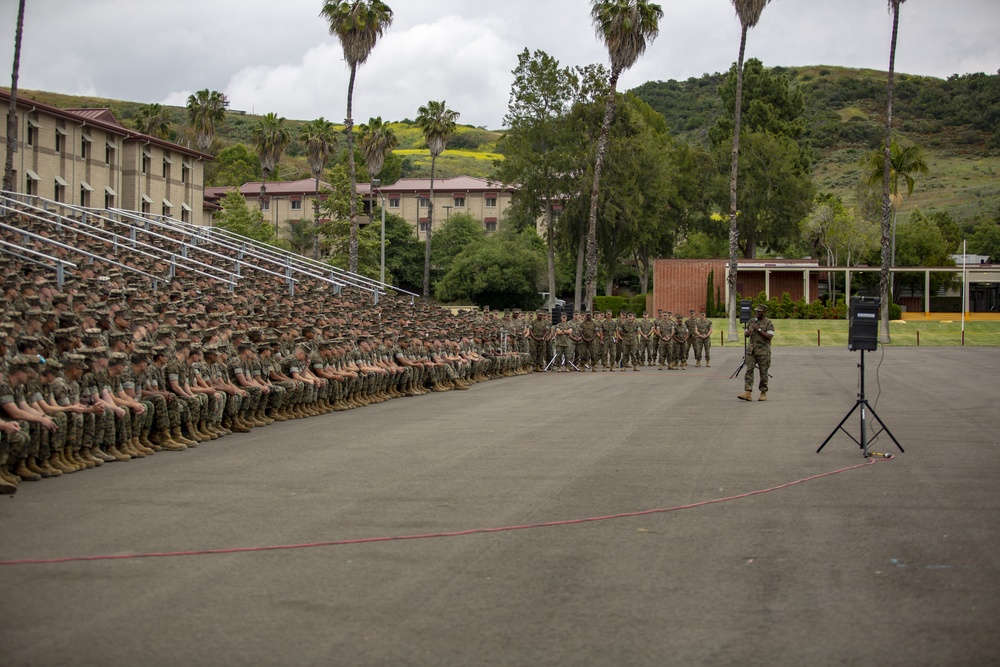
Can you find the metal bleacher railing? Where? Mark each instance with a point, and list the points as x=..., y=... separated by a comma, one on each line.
x=290, y=262
x=11, y=203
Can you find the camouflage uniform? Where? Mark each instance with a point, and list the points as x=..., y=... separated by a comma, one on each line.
x=758, y=353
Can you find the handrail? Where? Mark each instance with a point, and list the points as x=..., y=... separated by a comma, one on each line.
x=81, y=227
x=84, y=253
x=60, y=264
x=197, y=231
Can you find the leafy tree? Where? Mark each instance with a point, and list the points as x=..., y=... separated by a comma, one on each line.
x=404, y=254
x=625, y=26
x=986, y=240
x=358, y=24
x=535, y=147
x=301, y=236
x=775, y=186
x=459, y=231
x=700, y=245
x=921, y=243
x=437, y=122
x=335, y=208
x=239, y=218
x=154, y=120
x=748, y=12
x=234, y=165
x=8, y=170
x=775, y=191
x=206, y=109
x=503, y=271
x=320, y=140
x=271, y=137
x=377, y=142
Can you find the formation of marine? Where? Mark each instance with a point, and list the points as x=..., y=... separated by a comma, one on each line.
x=616, y=343
x=106, y=370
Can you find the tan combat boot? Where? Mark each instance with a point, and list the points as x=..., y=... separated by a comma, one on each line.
x=763, y=396
x=746, y=396
x=25, y=473
x=8, y=481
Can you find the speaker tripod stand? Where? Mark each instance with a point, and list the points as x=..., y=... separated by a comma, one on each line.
x=743, y=362
x=862, y=403
x=564, y=361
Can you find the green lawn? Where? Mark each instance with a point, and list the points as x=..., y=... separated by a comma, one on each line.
x=833, y=333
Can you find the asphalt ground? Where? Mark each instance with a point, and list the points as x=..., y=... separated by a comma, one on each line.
x=890, y=563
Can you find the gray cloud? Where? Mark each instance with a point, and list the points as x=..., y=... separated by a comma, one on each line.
x=284, y=60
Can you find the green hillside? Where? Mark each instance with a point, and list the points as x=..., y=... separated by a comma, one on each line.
x=956, y=121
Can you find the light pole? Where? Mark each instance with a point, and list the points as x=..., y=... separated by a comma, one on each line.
x=376, y=186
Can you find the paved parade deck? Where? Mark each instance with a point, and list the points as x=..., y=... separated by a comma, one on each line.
x=893, y=563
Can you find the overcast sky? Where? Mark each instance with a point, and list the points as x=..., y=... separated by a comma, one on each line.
x=279, y=56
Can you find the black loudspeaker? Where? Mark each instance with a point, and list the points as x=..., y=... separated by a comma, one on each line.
x=862, y=332
x=746, y=314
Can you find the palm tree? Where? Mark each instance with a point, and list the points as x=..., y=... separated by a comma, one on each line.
x=320, y=139
x=358, y=24
x=154, y=120
x=903, y=163
x=883, y=281
x=377, y=141
x=437, y=122
x=626, y=27
x=271, y=137
x=748, y=12
x=206, y=108
x=8, y=168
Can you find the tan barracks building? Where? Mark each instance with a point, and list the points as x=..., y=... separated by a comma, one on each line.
x=85, y=157
x=484, y=200
x=288, y=201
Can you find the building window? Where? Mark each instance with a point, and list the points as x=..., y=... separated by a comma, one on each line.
x=85, y=147
x=491, y=201
x=109, y=153
x=147, y=160
x=145, y=206
x=424, y=226
x=185, y=169
x=84, y=197
x=166, y=169
x=165, y=209
x=109, y=200
x=59, y=141
x=185, y=215
x=491, y=225
x=459, y=202
x=424, y=202
x=265, y=204
x=393, y=202
x=296, y=204
x=30, y=139
x=59, y=191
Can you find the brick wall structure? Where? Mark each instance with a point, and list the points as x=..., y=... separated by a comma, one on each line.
x=682, y=284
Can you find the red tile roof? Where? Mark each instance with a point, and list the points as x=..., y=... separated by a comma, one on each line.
x=103, y=119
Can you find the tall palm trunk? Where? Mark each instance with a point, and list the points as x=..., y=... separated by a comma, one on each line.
x=551, y=248
x=354, y=174
x=316, y=221
x=602, y=149
x=883, y=281
x=581, y=252
x=430, y=223
x=734, y=234
x=8, y=168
